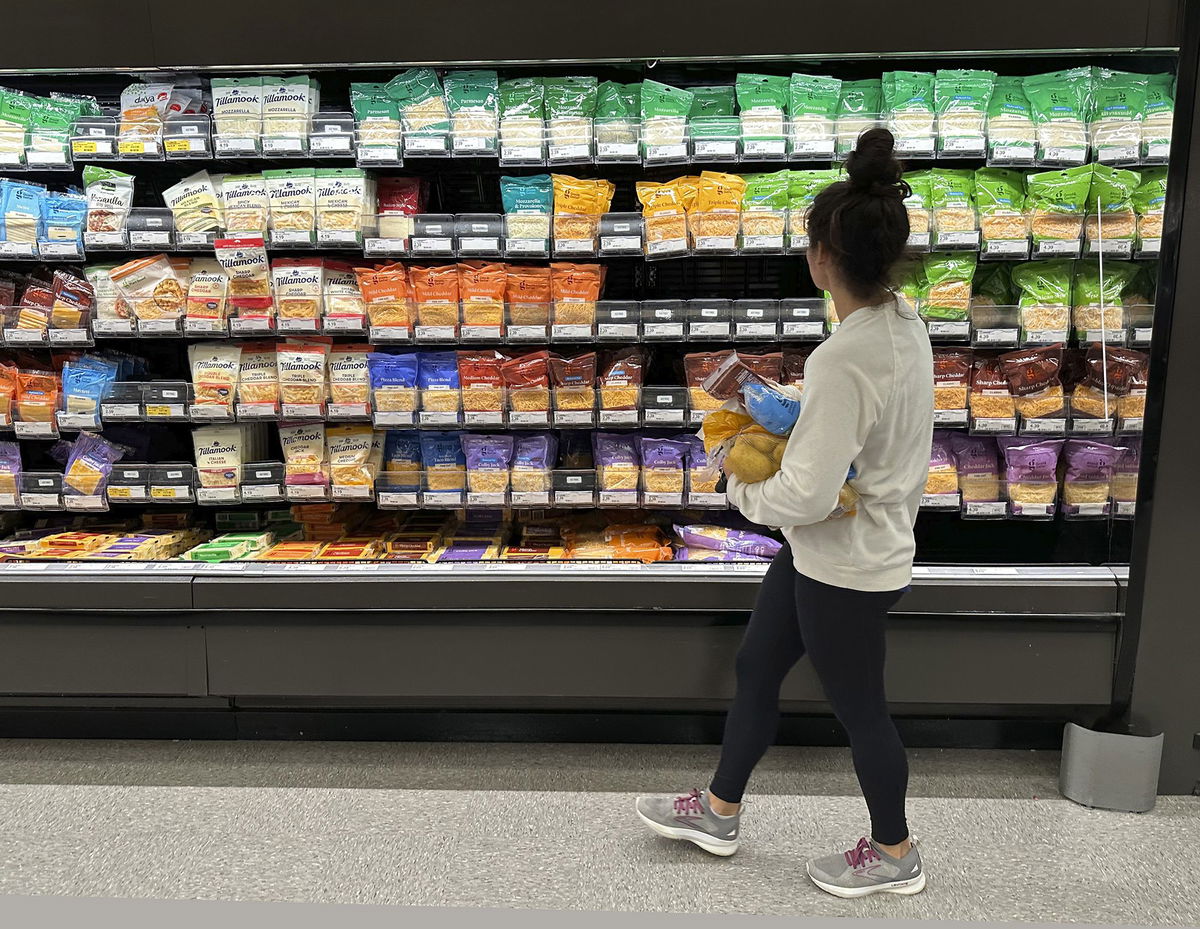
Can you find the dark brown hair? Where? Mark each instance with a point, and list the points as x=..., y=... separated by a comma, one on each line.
x=863, y=220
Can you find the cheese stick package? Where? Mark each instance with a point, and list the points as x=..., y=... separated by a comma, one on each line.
x=215, y=367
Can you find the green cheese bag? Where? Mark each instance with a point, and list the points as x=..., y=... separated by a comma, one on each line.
x=1098, y=297
x=908, y=279
x=993, y=285
x=1118, y=107
x=767, y=191
x=859, y=109
x=1060, y=102
x=961, y=99
x=762, y=104
x=1056, y=201
x=713, y=101
x=1159, y=118
x=1000, y=199
x=813, y=105
x=908, y=106
x=1012, y=135
x=1044, y=294
x=952, y=197
x=1111, y=198
x=473, y=100
x=803, y=187
x=570, y=97
x=948, y=277
x=422, y=101
x=1149, y=201
x=617, y=110
x=522, y=97
x=665, y=112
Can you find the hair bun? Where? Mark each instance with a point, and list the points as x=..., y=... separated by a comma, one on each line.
x=872, y=166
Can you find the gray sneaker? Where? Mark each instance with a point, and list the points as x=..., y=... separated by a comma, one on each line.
x=690, y=819
x=867, y=869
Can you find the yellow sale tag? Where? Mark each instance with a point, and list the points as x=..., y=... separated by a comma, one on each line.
x=163, y=493
x=131, y=147
x=120, y=493
x=158, y=411
x=178, y=145
x=83, y=147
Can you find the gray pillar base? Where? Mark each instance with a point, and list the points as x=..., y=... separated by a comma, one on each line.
x=1108, y=770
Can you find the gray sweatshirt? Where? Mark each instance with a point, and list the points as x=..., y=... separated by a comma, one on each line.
x=868, y=401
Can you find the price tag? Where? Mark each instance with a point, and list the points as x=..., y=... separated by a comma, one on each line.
x=617, y=331
x=251, y=325
x=992, y=509
x=392, y=418
x=576, y=498
x=474, y=143
x=1132, y=424
x=574, y=417
x=119, y=411
x=302, y=411
x=1150, y=247
x=653, y=498
x=915, y=148
x=521, y=153
x=715, y=148
x=1013, y=154
x=112, y=327
x=755, y=330
x=165, y=411
x=666, y=247
x=479, y=245
x=958, y=240
x=480, y=333
x=708, y=330
x=716, y=243
x=664, y=330
x=963, y=145
x=821, y=149
x=663, y=417
x=435, y=333
x=1044, y=426
x=24, y=336
x=341, y=237
x=1090, y=509
x=1104, y=335
x=764, y=148
x=1143, y=334
x=528, y=333
x=576, y=152
x=529, y=417
x=236, y=145
x=707, y=500
x=918, y=240
x=135, y=147
x=329, y=144
x=60, y=249
x=485, y=499
x=8, y=501
x=262, y=492
x=77, y=420
x=376, y=154
x=194, y=326
x=291, y=237
x=939, y=501
x=348, y=411
x=575, y=246
x=1069, y=247
x=211, y=412
x=392, y=498
x=217, y=495
x=666, y=153
x=426, y=144
x=443, y=498
x=1117, y=154
x=18, y=249
x=1045, y=336
x=529, y=498
x=1126, y=508
x=104, y=239
x=85, y=503
x=1091, y=426
x=996, y=336
x=390, y=334
x=1006, y=248
x=762, y=243
x=432, y=245
x=158, y=326
x=439, y=418
x=532, y=247
x=623, y=244
x=353, y=492
x=343, y=324
x=171, y=492
x=616, y=151
x=618, y=417
x=571, y=331
x=195, y=239
x=483, y=418
x=307, y=491
x=995, y=426
x=297, y=325
x=949, y=329
x=618, y=498
x=257, y=411
x=184, y=146
x=950, y=417
x=805, y=330
x=37, y=501
x=282, y=145
x=126, y=492
x=1073, y=155
x=90, y=147
x=34, y=430
x=377, y=246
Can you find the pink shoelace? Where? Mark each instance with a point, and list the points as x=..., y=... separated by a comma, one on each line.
x=689, y=804
x=862, y=854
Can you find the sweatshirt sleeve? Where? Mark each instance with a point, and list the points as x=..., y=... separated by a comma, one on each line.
x=841, y=405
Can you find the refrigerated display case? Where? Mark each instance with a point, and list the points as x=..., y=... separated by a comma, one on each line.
x=282, y=290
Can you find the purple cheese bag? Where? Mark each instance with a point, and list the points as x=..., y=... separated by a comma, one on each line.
x=487, y=452
x=610, y=449
x=535, y=452
x=662, y=453
x=978, y=461
x=940, y=455
x=1089, y=460
x=720, y=538
x=1031, y=469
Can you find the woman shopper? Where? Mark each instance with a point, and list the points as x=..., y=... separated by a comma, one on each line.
x=867, y=402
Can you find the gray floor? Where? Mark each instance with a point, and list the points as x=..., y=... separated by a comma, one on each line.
x=546, y=827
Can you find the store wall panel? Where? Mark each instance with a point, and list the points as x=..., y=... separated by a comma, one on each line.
x=944, y=661
x=35, y=591
x=75, y=35
x=359, y=31
x=103, y=655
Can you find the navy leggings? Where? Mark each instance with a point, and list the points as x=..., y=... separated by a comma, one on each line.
x=842, y=632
